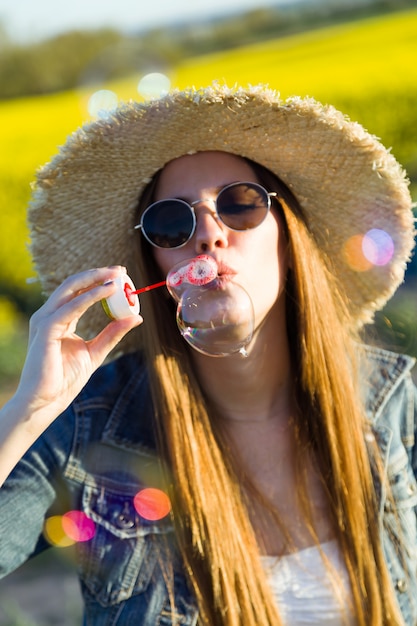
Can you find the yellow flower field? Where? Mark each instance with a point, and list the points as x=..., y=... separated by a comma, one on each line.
x=368, y=68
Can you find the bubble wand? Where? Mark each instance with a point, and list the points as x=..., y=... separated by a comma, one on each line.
x=125, y=302
x=215, y=316
x=148, y=288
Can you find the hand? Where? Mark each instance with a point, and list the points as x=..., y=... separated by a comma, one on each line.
x=59, y=362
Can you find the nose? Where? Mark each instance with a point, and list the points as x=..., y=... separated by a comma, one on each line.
x=210, y=232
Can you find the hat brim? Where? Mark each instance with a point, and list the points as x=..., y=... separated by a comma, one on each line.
x=82, y=212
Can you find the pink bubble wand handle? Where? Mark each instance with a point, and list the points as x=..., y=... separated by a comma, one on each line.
x=148, y=288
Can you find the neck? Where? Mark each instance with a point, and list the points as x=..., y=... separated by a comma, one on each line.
x=255, y=388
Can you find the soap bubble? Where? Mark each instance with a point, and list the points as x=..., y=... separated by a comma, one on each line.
x=214, y=314
x=216, y=320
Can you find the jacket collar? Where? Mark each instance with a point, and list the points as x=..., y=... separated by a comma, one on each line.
x=131, y=423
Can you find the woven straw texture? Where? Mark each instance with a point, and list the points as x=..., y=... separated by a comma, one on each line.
x=82, y=211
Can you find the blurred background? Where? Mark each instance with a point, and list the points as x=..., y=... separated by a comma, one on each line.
x=64, y=65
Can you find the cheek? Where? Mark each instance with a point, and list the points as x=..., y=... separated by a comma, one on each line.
x=267, y=250
x=267, y=263
x=281, y=246
x=165, y=259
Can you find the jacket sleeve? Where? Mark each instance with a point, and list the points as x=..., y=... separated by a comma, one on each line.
x=413, y=410
x=30, y=491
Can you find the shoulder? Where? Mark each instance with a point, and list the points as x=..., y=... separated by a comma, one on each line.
x=390, y=397
x=385, y=375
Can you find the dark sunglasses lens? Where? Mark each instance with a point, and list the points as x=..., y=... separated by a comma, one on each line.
x=168, y=223
x=243, y=206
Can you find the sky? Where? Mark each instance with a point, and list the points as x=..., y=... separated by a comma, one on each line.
x=29, y=20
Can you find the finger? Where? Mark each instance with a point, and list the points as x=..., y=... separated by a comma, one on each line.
x=79, y=283
x=64, y=319
x=109, y=337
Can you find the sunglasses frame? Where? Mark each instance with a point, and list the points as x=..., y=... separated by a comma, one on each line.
x=190, y=206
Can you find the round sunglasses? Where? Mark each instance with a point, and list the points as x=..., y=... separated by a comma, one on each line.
x=171, y=223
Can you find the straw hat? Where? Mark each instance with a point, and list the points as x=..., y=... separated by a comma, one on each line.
x=82, y=212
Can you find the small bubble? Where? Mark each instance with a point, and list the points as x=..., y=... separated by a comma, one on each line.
x=154, y=85
x=152, y=504
x=378, y=247
x=102, y=102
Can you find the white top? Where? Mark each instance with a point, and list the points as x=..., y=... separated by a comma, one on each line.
x=311, y=587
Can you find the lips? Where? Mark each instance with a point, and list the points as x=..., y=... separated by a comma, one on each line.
x=225, y=272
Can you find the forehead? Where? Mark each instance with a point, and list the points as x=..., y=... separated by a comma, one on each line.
x=191, y=173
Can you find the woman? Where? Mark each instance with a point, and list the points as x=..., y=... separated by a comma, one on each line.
x=275, y=463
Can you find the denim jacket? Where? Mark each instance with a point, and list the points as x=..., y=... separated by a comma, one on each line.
x=101, y=450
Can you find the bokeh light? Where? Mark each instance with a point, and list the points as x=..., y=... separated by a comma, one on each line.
x=78, y=526
x=62, y=531
x=374, y=248
x=153, y=85
x=152, y=504
x=378, y=247
x=354, y=255
x=54, y=533
x=102, y=103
